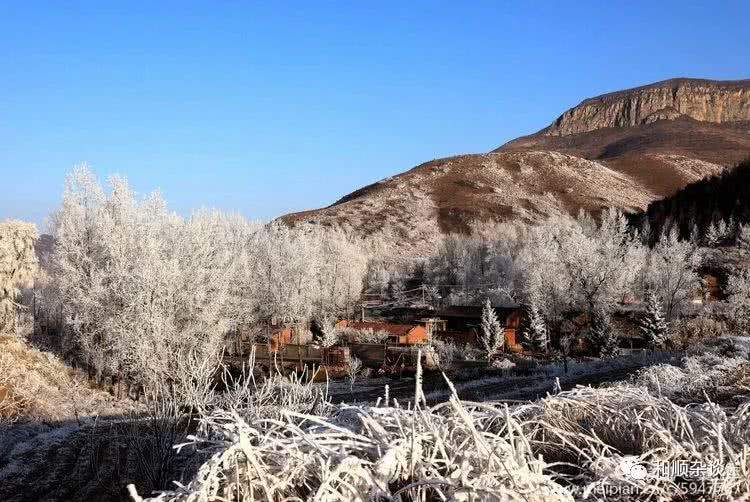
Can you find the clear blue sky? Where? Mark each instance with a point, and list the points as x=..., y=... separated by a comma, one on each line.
x=265, y=108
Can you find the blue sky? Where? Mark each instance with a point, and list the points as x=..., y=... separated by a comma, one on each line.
x=266, y=108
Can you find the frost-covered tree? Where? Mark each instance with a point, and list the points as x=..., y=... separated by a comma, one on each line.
x=602, y=260
x=653, y=324
x=545, y=280
x=579, y=264
x=141, y=287
x=738, y=290
x=743, y=236
x=717, y=233
x=603, y=340
x=355, y=366
x=491, y=337
x=536, y=337
x=672, y=272
x=328, y=336
x=18, y=264
x=294, y=274
x=469, y=268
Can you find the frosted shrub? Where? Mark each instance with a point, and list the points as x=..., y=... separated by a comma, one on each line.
x=446, y=352
x=468, y=352
x=700, y=375
x=572, y=443
x=367, y=335
x=453, y=451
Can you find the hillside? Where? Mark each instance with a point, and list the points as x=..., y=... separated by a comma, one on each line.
x=623, y=149
x=722, y=197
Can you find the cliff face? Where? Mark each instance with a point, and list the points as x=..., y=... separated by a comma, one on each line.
x=624, y=149
x=703, y=100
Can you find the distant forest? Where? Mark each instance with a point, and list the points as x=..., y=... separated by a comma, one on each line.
x=722, y=197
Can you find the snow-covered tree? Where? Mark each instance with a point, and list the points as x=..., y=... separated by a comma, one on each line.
x=672, y=272
x=491, y=337
x=603, y=340
x=141, y=287
x=743, y=236
x=653, y=324
x=716, y=233
x=536, y=337
x=602, y=260
x=18, y=264
x=738, y=289
x=328, y=335
x=545, y=280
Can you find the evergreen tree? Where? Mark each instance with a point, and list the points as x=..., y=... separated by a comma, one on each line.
x=491, y=337
x=603, y=340
x=536, y=336
x=653, y=325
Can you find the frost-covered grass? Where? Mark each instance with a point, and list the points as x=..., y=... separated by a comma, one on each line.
x=37, y=385
x=719, y=370
x=542, y=378
x=563, y=447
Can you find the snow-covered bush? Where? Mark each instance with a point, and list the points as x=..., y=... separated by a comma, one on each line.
x=445, y=352
x=468, y=352
x=707, y=373
x=687, y=332
x=367, y=335
x=569, y=446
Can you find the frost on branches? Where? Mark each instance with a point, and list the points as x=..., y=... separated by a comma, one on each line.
x=17, y=267
x=739, y=300
x=603, y=340
x=653, y=325
x=328, y=334
x=491, y=336
x=144, y=288
x=536, y=337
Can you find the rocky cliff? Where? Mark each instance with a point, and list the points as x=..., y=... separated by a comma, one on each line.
x=624, y=149
x=703, y=100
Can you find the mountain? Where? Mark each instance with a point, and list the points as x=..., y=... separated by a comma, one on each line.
x=624, y=149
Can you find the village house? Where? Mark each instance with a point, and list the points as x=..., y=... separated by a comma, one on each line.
x=463, y=324
x=402, y=334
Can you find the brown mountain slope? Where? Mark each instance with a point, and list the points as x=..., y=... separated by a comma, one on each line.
x=623, y=149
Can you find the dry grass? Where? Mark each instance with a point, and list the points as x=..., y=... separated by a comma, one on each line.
x=37, y=385
x=565, y=447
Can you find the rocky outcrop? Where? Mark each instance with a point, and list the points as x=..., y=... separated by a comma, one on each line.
x=703, y=100
x=623, y=150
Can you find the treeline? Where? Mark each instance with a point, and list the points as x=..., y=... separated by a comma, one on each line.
x=717, y=201
x=148, y=296
x=571, y=273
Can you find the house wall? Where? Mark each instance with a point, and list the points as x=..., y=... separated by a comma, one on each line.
x=417, y=334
